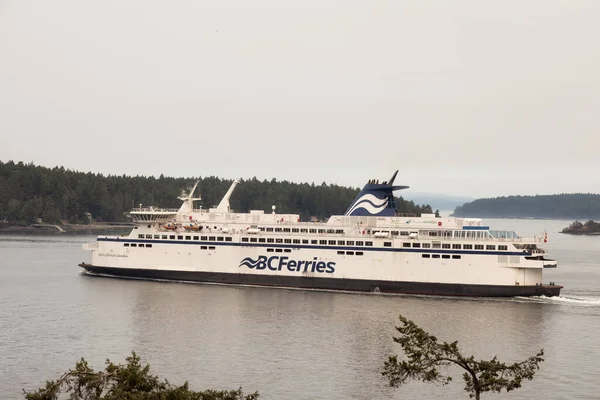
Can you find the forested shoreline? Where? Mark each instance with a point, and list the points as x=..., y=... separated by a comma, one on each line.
x=55, y=195
x=557, y=206
x=579, y=228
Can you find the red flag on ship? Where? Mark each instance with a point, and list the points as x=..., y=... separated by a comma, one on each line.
x=545, y=237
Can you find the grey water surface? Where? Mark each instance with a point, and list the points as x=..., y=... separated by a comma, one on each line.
x=287, y=344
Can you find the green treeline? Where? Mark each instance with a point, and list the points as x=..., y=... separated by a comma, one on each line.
x=558, y=206
x=29, y=192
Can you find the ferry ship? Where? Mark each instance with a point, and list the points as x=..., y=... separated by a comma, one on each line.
x=370, y=248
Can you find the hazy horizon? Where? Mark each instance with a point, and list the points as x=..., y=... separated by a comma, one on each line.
x=466, y=98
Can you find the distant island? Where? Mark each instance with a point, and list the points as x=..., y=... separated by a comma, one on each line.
x=578, y=228
x=557, y=206
x=436, y=200
x=40, y=198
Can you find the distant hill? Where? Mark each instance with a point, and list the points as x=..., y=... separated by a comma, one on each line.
x=556, y=206
x=436, y=200
x=29, y=193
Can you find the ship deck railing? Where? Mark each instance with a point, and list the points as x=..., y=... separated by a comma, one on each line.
x=165, y=210
x=469, y=239
x=154, y=209
x=353, y=234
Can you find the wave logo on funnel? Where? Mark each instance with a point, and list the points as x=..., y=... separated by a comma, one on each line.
x=250, y=263
x=369, y=203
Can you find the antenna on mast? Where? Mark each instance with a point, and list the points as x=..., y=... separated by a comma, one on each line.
x=188, y=199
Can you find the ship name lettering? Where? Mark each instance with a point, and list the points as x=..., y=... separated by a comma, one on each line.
x=112, y=255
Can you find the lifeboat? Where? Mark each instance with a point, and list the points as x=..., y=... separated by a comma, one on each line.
x=190, y=227
x=252, y=229
x=170, y=226
x=381, y=234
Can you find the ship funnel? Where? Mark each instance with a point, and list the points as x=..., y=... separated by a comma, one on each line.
x=375, y=199
x=224, y=204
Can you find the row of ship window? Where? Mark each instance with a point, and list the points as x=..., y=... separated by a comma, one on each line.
x=265, y=240
x=475, y=234
x=453, y=246
x=150, y=245
x=312, y=241
x=434, y=233
x=181, y=237
x=350, y=253
x=446, y=256
x=136, y=245
x=301, y=230
x=445, y=233
x=347, y=253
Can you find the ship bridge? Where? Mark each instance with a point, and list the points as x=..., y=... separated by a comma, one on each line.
x=152, y=214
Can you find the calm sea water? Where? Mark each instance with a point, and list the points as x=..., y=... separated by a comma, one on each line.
x=287, y=344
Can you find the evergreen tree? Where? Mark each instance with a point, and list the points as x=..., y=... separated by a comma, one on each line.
x=425, y=356
x=131, y=381
x=29, y=192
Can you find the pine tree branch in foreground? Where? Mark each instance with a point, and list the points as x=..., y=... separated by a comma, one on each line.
x=131, y=381
x=425, y=357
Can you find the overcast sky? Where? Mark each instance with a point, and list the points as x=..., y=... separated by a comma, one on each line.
x=465, y=97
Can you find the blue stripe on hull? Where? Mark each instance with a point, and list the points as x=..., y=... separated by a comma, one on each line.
x=420, y=288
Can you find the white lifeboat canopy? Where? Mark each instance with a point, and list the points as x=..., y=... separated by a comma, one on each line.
x=381, y=234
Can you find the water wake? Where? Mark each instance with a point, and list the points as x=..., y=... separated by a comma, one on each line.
x=574, y=300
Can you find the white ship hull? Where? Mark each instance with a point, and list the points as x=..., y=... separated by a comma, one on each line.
x=381, y=269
